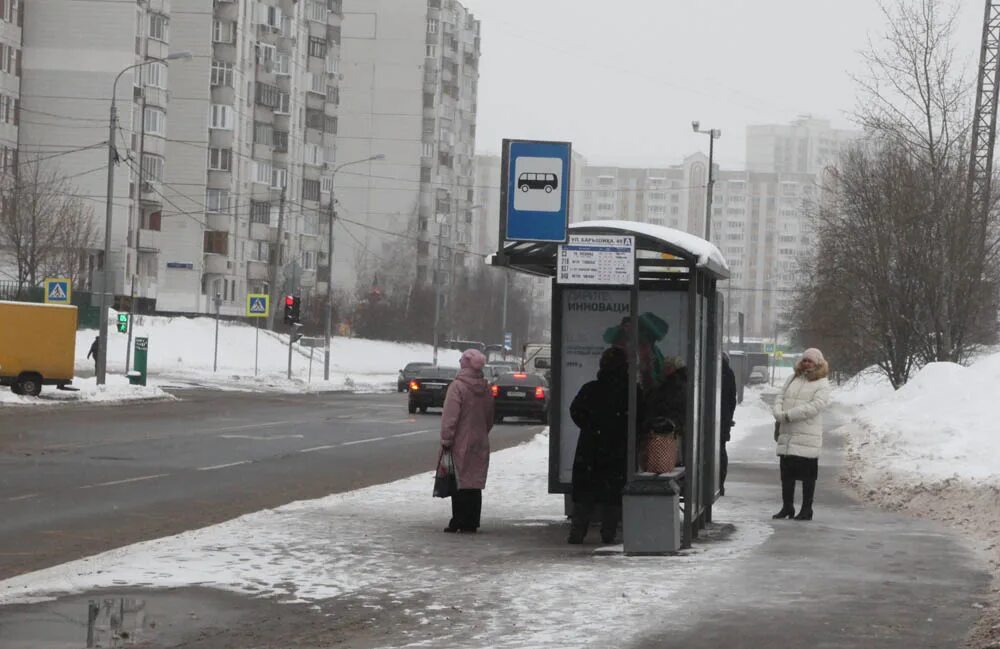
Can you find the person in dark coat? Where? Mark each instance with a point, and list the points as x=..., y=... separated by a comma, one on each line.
x=95, y=350
x=726, y=422
x=665, y=410
x=600, y=409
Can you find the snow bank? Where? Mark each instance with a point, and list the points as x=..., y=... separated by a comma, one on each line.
x=182, y=349
x=117, y=390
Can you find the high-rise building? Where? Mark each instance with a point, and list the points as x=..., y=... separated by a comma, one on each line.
x=11, y=18
x=806, y=146
x=409, y=90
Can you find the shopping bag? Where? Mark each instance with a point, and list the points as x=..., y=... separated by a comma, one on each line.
x=445, y=478
x=661, y=453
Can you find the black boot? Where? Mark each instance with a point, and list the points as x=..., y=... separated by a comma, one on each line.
x=787, y=499
x=808, y=491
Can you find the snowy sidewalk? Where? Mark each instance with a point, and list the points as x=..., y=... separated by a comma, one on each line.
x=372, y=569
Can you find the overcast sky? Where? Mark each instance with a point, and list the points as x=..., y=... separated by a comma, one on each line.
x=622, y=79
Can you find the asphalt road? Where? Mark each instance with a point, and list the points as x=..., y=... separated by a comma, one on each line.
x=77, y=480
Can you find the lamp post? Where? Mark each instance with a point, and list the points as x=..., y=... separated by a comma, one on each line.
x=102, y=350
x=713, y=134
x=329, y=259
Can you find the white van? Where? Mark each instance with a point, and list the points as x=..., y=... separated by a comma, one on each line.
x=537, y=359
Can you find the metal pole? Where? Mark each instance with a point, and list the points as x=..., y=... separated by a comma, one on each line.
x=275, y=258
x=311, y=350
x=131, y=325
x=711, y=181
x=290, y=338
x=329, y=285
x=215, y=356
x=256, y=345
x=437, y=292
x=102, y=349
x=774, y=354
x=729, y=313
x=506, y=281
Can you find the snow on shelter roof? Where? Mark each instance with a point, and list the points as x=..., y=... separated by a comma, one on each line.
x=685, y=245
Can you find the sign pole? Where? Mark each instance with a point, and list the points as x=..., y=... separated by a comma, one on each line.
x=256, y=345
x=311, y=350
x=131, y=312
x=290, y=339
x=215, y=358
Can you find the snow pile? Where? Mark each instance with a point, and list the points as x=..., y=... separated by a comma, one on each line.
x=519, y=581
x=182, y=350
x=117, y=390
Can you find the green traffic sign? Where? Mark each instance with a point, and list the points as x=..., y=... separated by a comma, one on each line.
x=123, y=323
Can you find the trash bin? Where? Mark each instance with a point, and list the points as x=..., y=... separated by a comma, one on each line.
x=651, y=516
x=135, y=378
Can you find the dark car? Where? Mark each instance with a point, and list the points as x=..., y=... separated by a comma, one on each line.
x=519, y=394
x=429, y=387
x=407, y=374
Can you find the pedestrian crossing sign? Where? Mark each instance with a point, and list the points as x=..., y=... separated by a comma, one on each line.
x=58, y=291
x=258, y=305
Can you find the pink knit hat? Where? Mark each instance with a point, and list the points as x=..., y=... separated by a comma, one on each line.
x=813, y=354
x=472, y=358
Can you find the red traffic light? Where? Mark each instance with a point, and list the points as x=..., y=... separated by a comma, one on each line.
x=289, y=300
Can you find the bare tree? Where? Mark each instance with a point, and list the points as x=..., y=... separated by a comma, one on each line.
x=44, y=228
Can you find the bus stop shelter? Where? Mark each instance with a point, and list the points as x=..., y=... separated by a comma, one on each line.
x=668, y=316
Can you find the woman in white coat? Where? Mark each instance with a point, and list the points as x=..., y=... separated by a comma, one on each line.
x=799, y=431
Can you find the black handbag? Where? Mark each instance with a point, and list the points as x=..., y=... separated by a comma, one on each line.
x=777, y=425
x=445, y=478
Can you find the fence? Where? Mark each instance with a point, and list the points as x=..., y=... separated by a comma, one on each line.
x=88, y=317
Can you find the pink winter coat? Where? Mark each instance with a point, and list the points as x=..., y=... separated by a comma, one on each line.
x=466, y=425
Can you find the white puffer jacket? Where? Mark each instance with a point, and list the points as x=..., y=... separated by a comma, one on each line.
x=799, y=410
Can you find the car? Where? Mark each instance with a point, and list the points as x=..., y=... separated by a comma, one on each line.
x=758, y=375
x=519, y=394
x=407, y=374
x=429, y=387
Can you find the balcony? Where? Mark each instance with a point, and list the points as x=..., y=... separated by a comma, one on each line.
x=263, y=232
x=218, y=221
x=216, y=264
x=307, y=279
x=258, y=270
x=148, y=240
x=310, y=243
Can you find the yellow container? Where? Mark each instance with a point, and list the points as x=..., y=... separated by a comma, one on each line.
x=37, y=345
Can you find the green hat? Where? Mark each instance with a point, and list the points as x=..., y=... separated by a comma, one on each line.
x=652, y=327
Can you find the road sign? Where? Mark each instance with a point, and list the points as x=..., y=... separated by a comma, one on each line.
x=58, y=291
x=123, y=323
x=534, y=188
x=258, y=305
x=607, y=260
x=508, y=341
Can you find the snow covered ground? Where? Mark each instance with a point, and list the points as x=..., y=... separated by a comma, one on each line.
x=117, y=390
x=387, y=540
x=181, y=351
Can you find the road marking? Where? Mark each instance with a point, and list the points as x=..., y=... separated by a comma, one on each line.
x=264, y=424
x=114, y=482
x=416, y=432
x=317, y=448
x=363, y=441
x=24, y=497
x=261, y=438
x=223, y=466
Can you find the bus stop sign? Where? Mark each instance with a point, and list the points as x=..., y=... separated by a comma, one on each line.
x=534, y=190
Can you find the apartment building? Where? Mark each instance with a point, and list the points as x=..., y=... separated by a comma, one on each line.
x=409, y=91
x=11, y=20
x=805, y=146
x=254, y=154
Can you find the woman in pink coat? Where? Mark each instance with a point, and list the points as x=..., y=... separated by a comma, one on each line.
x=465, y=430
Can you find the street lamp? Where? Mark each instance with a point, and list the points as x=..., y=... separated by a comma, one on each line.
x=329, y=259
x=102, y=352
x=713, y=134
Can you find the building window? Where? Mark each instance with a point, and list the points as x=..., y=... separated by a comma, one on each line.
x=271, y=17
x=217, y=200
x=155, y=75
x=260, y=212
x=326, y=184
x=317, y=47
x=158, y=27
x=216, y=243
x=432, y=26
x=431, y=51
x=221, y=116
x=154, y=121
x=312, y=154
x=152, y=167
x=316, y=11
x=223, y=31
x=282, y=63
x=428, y=150
x=279, y=140
x=220, y=159
x=222, y=73
x=263, y=172
x=263, y=133
x=279, y=179
x=266, y=54
x=267, y=95
x=310, y=190
x=284, y=105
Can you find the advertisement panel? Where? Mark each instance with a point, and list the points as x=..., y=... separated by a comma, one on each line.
x=595, y=319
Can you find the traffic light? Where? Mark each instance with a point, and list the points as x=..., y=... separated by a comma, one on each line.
x=123, y=323
x=292, y=309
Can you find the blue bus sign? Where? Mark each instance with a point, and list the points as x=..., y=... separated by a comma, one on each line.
x=534, y=190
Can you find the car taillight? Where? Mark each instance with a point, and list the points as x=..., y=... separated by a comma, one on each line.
x=520, y=375
x=539, y=392
x=414, y=385
x=495, y=389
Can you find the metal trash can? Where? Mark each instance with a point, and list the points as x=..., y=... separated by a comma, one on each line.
x=651, y=517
